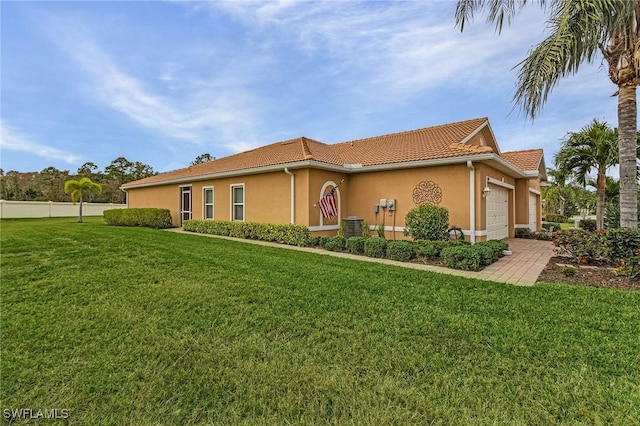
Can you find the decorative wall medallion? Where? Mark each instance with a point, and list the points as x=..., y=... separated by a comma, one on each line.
x=427, y=192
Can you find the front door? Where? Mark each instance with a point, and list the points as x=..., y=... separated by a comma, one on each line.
x=185, y=203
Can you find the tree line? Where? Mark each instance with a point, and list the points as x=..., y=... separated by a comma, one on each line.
x=48, y=184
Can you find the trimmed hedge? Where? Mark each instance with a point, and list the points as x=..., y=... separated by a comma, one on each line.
x=431, y=249
x=401, y=250
x=295, y=235
x=147, y=217
x=375, y=247
x=466, y=258
x=355, y=245
x=337, y=243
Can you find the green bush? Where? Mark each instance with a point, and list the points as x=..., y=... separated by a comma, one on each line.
x=147, y=217
x=355, y=245
x=313, y=242
x=322, y=241
x=466, y=258
x=400, y=250
x=375, y=247
x=498, y=246
x=587, y=224
x=337, y=243
x=585, y=247
x=553, y=217
x=427, y=222
x=622, y=243
x=524, y=233
x=427, y=249
x=554, y=226
x=432, y=249
x=487, y=254
x=296, y=235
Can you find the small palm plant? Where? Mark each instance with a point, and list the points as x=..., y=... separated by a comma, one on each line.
x=77, y=188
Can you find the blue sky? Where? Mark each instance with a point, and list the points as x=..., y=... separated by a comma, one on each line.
x=162, y=82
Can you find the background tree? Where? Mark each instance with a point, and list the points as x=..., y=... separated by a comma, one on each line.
x=578, y=30
x=594, y=147
x=87, y=170
x=202, y=158
x=77, y=189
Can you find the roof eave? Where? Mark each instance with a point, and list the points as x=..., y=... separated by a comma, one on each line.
x=502, y=164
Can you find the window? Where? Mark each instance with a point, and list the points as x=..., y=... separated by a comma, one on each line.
x=237, y=202
x=207, y=201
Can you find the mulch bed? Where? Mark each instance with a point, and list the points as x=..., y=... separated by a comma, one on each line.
x=588, y=275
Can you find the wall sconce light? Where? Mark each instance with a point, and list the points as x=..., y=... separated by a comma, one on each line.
x=486, y=191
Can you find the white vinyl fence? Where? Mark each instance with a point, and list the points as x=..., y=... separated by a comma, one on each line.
x=29, y=209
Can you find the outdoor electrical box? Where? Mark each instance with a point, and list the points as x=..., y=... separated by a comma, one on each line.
x=391, y=204
x=383, y=203
x=376, y=209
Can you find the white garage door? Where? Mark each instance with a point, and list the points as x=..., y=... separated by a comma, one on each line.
x=533, y=208
x=497, y=213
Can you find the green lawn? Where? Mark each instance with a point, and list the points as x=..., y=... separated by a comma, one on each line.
x=128, y=326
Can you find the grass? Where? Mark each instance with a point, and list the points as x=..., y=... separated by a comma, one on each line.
x=126, y=326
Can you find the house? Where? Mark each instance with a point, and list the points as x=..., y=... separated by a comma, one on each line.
x=459, y=166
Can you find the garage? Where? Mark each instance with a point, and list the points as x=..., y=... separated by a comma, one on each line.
x=497, y=213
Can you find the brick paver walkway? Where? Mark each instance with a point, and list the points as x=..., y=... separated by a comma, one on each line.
x=523, y=267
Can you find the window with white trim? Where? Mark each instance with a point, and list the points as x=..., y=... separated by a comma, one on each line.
x=207, y=202
x=237, y=202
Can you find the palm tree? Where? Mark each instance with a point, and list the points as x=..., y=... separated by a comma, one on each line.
x=77, y=188
x=578, y=30
x=594, y=147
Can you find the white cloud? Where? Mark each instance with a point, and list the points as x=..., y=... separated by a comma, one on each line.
x=194, y=114
x=12, y=139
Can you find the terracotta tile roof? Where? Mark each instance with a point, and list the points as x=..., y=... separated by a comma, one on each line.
x=422, y=144
x=289, y=151
x=444, y=141
x=528, y=160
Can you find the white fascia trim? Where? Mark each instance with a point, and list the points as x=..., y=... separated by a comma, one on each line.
x=475, y=132
x=535, y=191
x=499, y=183
x=324, y=228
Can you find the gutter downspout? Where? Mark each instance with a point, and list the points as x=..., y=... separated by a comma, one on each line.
x=472, y=201
x=293, y=194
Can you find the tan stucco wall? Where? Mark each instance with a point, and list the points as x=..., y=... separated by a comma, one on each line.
x=317, y=178
x=267, y=197
x=161, y=197
x=366, y=190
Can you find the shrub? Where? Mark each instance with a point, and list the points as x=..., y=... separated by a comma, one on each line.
x=375, y=247
x=524, y=233
x=401, y=250
x=553, y=217
x=365, y=229
x=498, y=246
x=147, y=217
x=337, y=243
x=427, y=250
x=296, y=235
x=313, y=242
x=568, y=270
x=552, y=226
x=583, y=246
x=622, y=243
x=355, y=245
x=461, y=257
x=587, y=224
x=427, y=222
x=322, y=241
x=486, y=253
